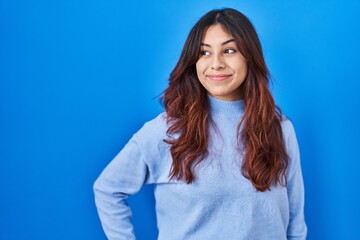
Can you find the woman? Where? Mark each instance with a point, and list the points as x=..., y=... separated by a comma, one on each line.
x=224, y=160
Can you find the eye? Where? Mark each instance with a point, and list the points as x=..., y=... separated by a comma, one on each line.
x=230, y=50
x=204, y=53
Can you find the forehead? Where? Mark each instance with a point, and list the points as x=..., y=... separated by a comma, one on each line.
x=216, y=34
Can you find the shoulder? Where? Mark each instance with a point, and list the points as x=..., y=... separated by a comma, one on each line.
x=152, y=133
x=156, y=153
x=288, y=131
x=154, y=127
x=291, y=143
x=287, y=126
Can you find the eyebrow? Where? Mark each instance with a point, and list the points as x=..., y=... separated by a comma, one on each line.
x=222, y=44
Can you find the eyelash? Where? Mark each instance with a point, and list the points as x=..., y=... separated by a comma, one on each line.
x=204, y=52
x=230, y=49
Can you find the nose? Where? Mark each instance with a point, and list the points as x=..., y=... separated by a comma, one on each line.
x=217, y=62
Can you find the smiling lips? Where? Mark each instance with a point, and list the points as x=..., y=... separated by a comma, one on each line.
x=218, y=77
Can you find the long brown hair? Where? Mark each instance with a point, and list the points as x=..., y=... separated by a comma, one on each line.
x=185, y=100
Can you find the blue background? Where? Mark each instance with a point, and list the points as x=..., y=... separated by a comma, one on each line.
x=78, y=78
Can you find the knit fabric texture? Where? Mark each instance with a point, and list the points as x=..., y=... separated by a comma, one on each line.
x=219, y=204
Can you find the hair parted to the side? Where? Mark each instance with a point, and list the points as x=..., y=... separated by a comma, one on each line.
x=185, y=100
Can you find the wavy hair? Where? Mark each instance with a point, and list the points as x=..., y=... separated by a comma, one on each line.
x=186, y=103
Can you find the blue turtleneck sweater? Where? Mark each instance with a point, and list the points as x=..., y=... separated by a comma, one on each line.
x=219, y=204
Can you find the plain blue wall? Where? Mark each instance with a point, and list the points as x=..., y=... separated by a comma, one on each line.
x=78, y=78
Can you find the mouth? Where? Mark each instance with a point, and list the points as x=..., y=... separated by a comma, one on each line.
x=218, y=77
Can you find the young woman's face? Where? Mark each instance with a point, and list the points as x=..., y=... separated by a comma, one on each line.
x=221, y=67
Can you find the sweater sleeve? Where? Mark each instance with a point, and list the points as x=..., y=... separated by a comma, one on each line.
x=297, y=229
x=124, y=176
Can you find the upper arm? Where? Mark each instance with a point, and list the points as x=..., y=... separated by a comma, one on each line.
x=295, y=187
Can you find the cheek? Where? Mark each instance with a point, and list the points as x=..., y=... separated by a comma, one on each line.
x=244, y=70
x=200, y=68
x=241, y=70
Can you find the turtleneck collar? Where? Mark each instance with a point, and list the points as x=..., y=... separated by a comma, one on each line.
x=219, y=107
